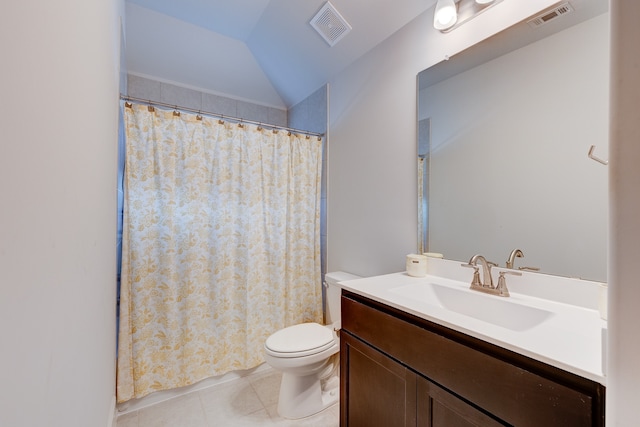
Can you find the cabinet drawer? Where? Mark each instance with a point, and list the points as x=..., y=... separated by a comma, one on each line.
x=513, y=388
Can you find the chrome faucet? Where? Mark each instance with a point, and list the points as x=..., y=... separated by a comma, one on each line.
x=517, y=253
x=486, y=284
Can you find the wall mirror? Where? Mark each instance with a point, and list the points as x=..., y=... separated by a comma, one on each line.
x=504, y=130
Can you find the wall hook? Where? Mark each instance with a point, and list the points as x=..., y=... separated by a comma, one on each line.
x=597, y=159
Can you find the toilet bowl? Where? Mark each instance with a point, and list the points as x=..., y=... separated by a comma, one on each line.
x=307, y=356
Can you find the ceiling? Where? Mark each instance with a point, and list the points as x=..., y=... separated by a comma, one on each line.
x=264, y=51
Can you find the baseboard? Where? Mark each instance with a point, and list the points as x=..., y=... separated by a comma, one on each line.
x=111, y=422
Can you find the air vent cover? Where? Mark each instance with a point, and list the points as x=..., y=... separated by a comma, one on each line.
x=330, y=24
x=549, y=15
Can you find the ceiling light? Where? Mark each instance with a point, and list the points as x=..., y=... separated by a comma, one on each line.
x=450, y=14
x=445, y=15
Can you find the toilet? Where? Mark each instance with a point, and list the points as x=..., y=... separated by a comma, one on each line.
x=307, y=356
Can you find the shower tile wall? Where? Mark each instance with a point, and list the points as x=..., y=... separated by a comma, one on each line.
x=144, y=88
x=312, y=114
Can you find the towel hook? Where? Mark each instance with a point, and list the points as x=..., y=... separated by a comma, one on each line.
x=597, y=159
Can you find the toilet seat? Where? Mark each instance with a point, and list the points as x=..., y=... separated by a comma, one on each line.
x=300, y=340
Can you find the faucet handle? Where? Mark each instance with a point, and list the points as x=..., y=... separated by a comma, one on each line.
x=476, y=274
x=510, y=272
x=529, y=268
x=502, y=282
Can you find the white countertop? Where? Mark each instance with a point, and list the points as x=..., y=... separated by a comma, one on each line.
x=571, y=338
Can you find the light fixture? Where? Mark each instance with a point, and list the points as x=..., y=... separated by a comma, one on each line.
x=446, y=15
x=450, y=14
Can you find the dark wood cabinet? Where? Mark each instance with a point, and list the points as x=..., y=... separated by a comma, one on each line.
x=401, y=370
x=381, y=391
x=438, y=408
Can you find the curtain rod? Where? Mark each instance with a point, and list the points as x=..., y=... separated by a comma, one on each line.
x=218, y=115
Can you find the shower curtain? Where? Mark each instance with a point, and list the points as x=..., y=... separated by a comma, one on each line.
x=221, y=246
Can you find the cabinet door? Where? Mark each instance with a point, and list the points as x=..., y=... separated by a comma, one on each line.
x=376, y=391
x=437, y=407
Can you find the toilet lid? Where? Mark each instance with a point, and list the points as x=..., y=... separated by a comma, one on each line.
x=300, y=340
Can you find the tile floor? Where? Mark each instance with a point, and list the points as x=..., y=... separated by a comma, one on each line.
x=244, y=402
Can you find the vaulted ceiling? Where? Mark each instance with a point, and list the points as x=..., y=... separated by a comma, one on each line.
x=264, y=51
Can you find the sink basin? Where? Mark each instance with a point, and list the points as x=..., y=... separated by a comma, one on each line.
x=492, y=309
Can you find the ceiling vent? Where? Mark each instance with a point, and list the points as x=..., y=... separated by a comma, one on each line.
x=550, y=15
x=330, y=24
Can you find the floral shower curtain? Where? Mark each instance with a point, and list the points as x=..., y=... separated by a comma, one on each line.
x=221, y=246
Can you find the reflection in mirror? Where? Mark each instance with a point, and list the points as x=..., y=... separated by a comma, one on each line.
x=424, y=148
x=507, y=165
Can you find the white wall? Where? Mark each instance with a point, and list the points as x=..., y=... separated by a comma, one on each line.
x=213, y=72
x=623, y=382
x=372, y=179
x=58, y=216
x=509, y=165
x=372, y=184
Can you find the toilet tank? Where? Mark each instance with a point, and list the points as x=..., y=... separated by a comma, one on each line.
x=332, y=296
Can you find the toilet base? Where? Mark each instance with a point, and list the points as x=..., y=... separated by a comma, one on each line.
x=304, y=396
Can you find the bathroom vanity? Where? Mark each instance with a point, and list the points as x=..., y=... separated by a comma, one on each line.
x=410, y=358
